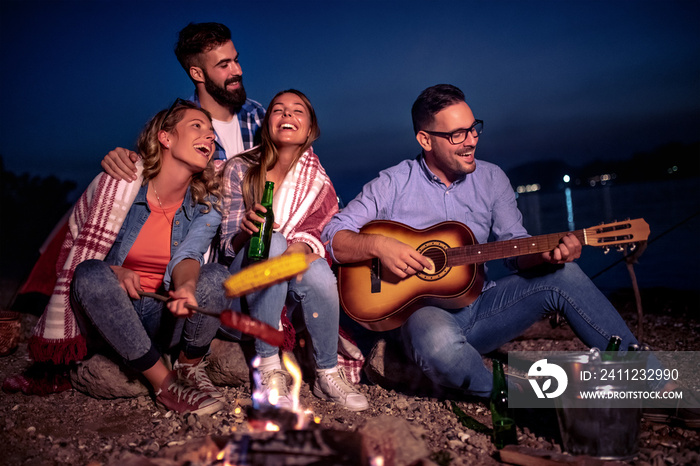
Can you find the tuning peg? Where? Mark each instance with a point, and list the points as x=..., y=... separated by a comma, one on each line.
x=632, y=247
x=620, y=248
x=606, y=249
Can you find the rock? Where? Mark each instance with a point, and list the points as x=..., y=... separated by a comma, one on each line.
x=227, y=364
x=389, y=367
x=101, y=377
x=393, y=439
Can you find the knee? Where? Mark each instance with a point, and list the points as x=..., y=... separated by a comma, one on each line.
x=559, y=276
x=278, y=244
x=210, y=290
x=212, y=276
x=320, y=280
x=571, y=275
x=429, y=334
x=89, y=272
x=322, y=274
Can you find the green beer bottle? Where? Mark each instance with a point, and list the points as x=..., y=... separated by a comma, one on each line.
x=612, y=348
x=259, y=246
x=503, y=423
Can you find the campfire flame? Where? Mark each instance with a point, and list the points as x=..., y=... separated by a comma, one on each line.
x=275, y=418
x=295, y=372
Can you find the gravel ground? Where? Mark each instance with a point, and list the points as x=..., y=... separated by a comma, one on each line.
x=73, y=428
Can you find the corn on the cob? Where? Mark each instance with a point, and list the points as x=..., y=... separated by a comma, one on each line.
x=265, y=273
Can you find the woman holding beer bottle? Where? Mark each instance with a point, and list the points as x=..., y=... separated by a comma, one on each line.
x=303, y=201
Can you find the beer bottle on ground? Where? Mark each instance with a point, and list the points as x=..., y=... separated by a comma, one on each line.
x=612, y=348
x=504, y=432
x=259, y=246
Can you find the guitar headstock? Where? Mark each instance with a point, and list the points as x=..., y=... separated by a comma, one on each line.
x=617, y=233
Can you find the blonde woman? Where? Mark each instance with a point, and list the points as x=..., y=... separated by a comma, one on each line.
x=130, y=238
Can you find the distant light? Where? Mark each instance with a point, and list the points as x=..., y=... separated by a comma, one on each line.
x=529, y=188
x=567, y=178
x=602, y=179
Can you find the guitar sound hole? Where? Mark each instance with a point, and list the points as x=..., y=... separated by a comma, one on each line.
x=436, y=252
x=438, y=258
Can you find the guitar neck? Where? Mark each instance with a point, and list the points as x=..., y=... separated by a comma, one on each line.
x=480, y=253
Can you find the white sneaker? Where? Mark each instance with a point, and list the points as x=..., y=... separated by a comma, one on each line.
x=195, y=375
x=274, y=389
x=334, y=386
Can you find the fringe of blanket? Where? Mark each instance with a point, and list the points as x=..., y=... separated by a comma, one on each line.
x=57, y=351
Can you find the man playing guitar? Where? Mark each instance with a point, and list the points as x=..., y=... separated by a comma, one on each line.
x=447, y=183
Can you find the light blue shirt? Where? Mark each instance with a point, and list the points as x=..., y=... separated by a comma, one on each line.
x=411, y=194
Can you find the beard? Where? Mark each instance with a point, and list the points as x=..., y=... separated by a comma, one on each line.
x=231, y=99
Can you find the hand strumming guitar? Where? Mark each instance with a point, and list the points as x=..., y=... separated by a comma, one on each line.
x=399, y=258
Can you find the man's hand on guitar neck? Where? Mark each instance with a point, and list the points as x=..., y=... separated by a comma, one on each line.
x=399, y=258
x=568, y=250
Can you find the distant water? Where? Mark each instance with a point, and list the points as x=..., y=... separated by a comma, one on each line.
x=672, y=257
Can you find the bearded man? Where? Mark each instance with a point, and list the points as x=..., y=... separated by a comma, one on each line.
x=208, y=56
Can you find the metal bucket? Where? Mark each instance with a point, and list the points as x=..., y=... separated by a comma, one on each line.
x=610, y=429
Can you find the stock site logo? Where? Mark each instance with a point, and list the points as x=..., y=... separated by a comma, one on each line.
x=542, y=368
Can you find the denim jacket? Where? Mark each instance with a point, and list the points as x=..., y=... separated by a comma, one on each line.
x=192, y=232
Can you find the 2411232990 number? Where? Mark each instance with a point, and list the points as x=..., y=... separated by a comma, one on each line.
x=638, y=374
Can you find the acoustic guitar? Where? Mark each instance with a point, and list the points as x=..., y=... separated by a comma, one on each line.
x=379, y=300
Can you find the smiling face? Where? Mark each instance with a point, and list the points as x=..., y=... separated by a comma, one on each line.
x=450, y=161
x=192, y=140
x=289, y=123
x=222, y=75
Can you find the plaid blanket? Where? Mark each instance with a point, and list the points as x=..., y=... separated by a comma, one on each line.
x=93, y=226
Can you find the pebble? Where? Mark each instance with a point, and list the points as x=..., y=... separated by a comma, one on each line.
x=455, y=444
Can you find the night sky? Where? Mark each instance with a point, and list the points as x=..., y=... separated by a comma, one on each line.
x=569, y=80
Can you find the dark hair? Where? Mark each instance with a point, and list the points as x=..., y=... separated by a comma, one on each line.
x=431, y=101
x=197, y=38
x=263, y=157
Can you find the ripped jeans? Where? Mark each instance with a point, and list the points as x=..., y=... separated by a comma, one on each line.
x=139, y=330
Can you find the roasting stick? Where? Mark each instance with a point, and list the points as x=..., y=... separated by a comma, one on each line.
x=252, y=278
x=165, y=299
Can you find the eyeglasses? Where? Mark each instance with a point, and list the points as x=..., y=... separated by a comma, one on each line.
x=458, y=136
x=177, y=102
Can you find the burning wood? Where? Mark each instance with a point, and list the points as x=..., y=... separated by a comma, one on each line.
x=294, y=447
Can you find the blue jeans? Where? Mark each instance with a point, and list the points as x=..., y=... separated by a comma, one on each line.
x=316, y=294
x=138, y=330
x=448, y=344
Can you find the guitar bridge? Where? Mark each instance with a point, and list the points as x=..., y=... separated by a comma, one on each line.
x=376, y=276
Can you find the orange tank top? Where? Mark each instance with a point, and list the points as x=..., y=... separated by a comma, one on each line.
x=150, y=253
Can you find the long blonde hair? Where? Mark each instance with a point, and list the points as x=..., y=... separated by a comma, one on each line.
x=264, y=157
x=205, y=186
